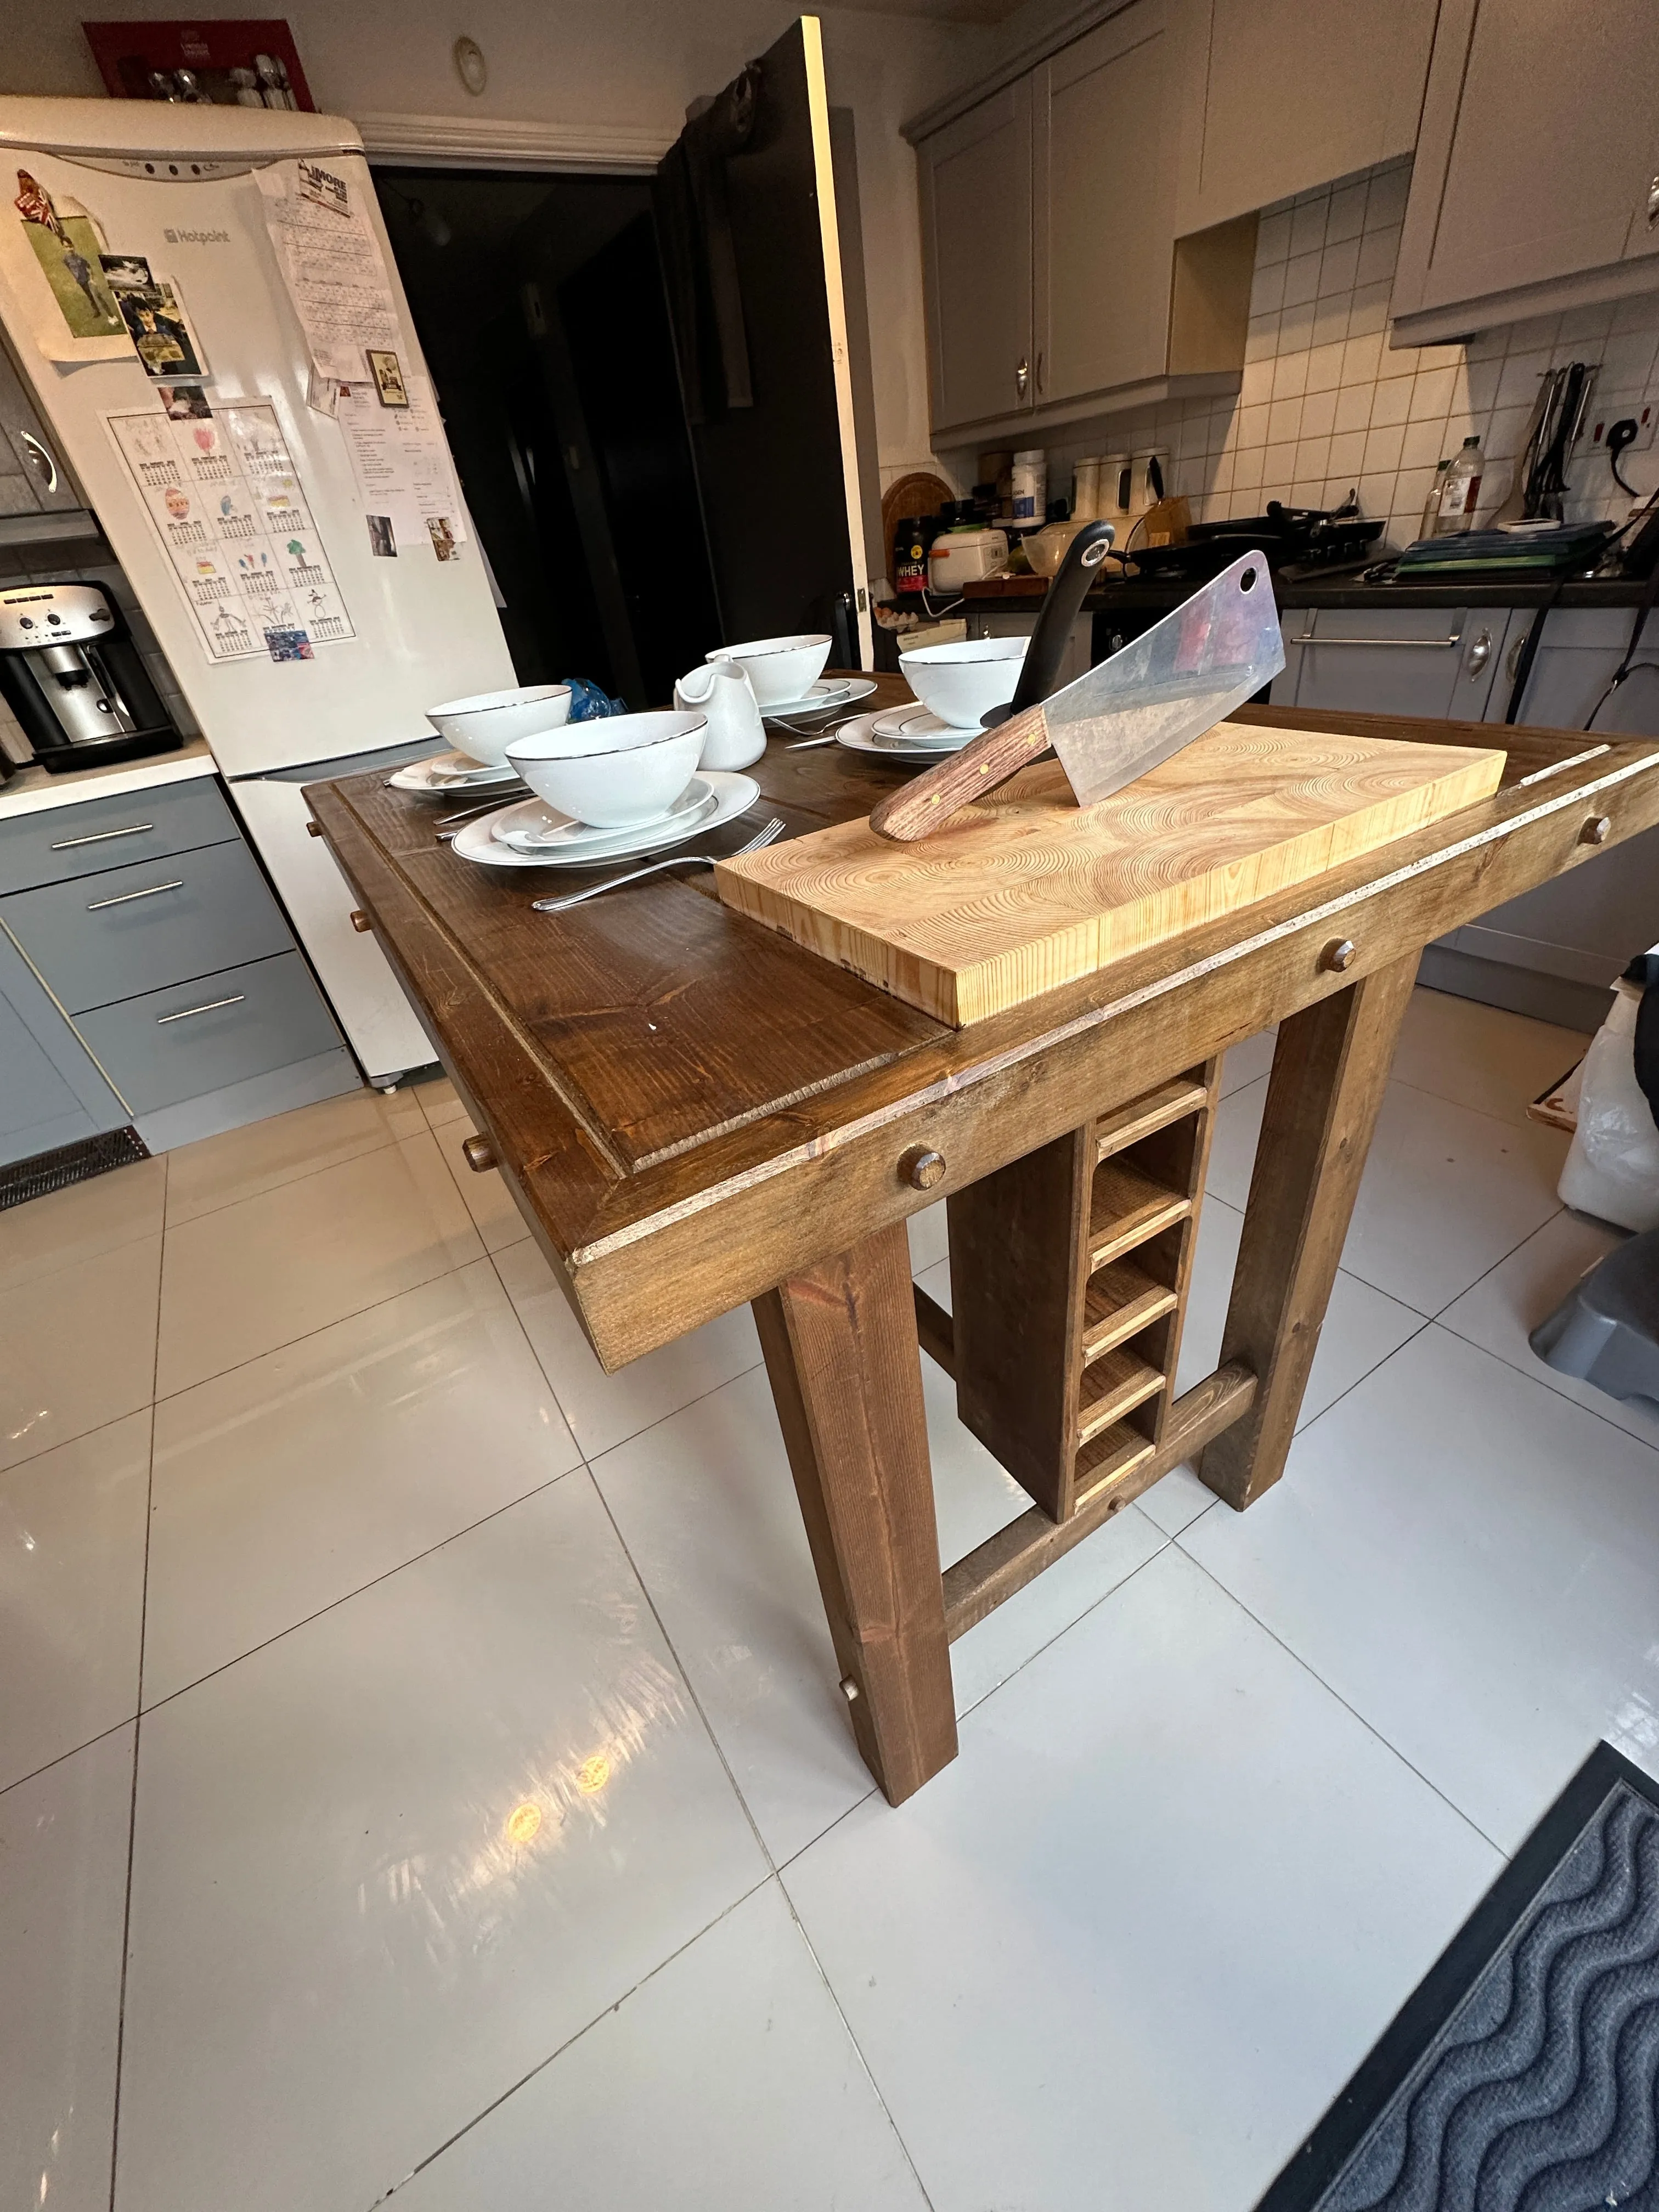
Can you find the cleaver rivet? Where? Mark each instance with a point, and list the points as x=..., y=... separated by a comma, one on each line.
x=1338, y=954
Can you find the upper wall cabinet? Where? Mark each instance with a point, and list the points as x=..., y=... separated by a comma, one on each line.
x=1290, y=93
x=975, y=179
x=1536, y=182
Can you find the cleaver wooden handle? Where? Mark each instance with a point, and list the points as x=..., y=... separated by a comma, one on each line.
x=916, y=809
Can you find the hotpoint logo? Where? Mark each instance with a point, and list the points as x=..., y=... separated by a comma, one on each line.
x=197, y=237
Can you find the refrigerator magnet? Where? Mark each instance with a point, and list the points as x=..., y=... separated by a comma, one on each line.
x=388, y=379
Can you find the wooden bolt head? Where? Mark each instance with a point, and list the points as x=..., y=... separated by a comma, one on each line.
x=1338, y=955
x=920, y=1168
x=1595, y=831
x=479, y=1154
x=313, y=829
x=359, y=921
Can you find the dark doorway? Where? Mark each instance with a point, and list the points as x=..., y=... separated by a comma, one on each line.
x=539, y=305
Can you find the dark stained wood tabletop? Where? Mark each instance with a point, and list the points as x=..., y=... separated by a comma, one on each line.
x=689, y=1107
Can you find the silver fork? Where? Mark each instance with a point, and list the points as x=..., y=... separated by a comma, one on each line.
x=768, y=836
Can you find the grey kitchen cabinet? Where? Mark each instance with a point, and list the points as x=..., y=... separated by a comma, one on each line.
x=34, y=477
x=1535, y=185
x=1338, y=88
x=1008, y=622
x=60, y=842
x=51, y=1090
x=207, y=1035
x=974, y=178
x=1394, y=660
x=1057, y=289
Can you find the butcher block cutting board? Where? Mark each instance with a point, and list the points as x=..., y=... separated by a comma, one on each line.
x=1028, y=891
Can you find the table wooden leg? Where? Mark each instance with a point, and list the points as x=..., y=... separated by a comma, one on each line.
x=1330, y=1069
x=840, y=1351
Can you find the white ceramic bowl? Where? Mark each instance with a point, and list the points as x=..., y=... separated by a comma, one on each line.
x=612, y=773
x=958, y=683
x=779, y=668
x=485, y=727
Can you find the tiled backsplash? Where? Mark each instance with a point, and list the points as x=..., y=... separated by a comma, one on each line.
x=1325, y=406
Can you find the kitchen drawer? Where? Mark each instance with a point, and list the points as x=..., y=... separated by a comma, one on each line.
x=128, y=930
x=61, y=841
x=203, y=1035
x=1392, y=661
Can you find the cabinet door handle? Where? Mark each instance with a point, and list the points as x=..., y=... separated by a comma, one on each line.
x=1022, y=376
x=1512, y=658
x=1479, y=653
x=127, y=897
x=103, y=836
x=1652, y=202
x=1041, y=382
x=1416, y=644
x=211, y=1007
x=41, y=456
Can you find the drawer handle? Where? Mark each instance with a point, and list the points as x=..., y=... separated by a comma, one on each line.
x=1418, y=644
x=211, y=1007
x=127, y=897
x=102, y=837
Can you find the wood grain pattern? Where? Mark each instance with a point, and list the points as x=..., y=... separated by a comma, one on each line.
x=1029, y=891
x=840, y=1352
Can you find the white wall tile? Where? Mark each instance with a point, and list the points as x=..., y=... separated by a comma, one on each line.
x=1312, y=459
x=1272, y=239
x=1378, y=252
x=1369, y=311
x=1325, y=367
x=1283, y=420
x=1360, y=357
x=1307, y=224
x=1298, y=326
x=1250, y=426
x=1424, y=444
x=1348, y=452
x=1353, y=407
x=1433, y=391
x=1290, y=376
x=1302, y=278
x=1382, y=449
x=1337, y=266
x=1347, y=216
x=1267, y=288
x=1391, y=402
x=1279, y=464
x=1318, y=415
x=1331, y=318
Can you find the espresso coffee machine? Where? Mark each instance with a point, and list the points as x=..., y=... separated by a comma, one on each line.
x=72, y=676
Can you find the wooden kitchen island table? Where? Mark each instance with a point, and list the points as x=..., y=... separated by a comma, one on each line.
x=692, y=1111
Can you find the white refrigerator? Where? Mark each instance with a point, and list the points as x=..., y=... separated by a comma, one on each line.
x=178, y=188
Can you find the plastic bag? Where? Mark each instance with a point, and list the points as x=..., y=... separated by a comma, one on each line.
x=1612, y=1165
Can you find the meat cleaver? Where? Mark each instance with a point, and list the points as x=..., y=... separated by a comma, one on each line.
x=1169, y=686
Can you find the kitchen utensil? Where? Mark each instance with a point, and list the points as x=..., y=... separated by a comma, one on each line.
x=721, y=691
x=768, y=836
x=968, y=556
x=961, y=682
x=780, y=668
x=485, y=726
x=1178, y=679
x=1030, y=892
x=74, y=678
x=734, y=795
x=614, y=774
x=1047, y=652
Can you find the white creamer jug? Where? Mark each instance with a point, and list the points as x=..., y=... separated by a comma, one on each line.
x=722, y=691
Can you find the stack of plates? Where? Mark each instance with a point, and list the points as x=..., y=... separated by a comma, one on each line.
x=442, y=774
x=831, y=691
x=906, y=734
x=533, y=835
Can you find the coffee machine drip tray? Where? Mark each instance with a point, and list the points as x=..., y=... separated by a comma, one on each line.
x=72, y=676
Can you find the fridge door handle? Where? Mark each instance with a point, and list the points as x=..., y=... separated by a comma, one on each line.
x=42, y=456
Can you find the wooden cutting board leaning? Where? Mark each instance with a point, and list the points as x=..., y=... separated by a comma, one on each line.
x=1028, y=891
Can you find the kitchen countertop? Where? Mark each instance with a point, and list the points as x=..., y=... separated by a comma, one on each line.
x=31, y=790
x=1341, y=589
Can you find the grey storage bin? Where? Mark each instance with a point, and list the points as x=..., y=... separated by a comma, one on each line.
x=59, y=842
x=1606, y=1330
x=205, y=1035
x=137, y=929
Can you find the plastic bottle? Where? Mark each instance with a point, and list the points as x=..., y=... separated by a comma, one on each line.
x=1031, y=484
x=1431, y=504
x=1459, y=490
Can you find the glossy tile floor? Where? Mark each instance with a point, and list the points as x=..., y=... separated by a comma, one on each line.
x=421, y=1771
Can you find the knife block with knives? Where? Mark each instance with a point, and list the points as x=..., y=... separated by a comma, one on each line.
x=988, y=881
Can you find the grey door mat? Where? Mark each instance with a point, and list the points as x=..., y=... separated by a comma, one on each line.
x=1523, y=2074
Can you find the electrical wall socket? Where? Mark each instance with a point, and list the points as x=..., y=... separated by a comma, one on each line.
x=1615, y=409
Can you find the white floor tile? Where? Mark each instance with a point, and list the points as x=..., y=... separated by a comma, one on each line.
x=1470, y=1561
x=1505, y=1306
x=1481, y=1056
x=79, y=1348
x=438, y=1099
x=77, y=1224
x=1247, y=1062
x=62, y=1892
x=1175, y=1503
x=261, y=1156
x=603, y=1410
x=1447, y=1191
x=297, y=1477
x=735, y=2059
x=71, y=1593
x=1361, y=1326
x=494, y=1211
x=388, y=1864
x=270, y=1269
x=1123, y=1952
x=929, y=1240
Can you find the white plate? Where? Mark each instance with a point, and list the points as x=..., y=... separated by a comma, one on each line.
x=533, y=826
x=833, y=691
x=733, y=795
x=914, y=725
x=859, y=736
x=439, y=776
